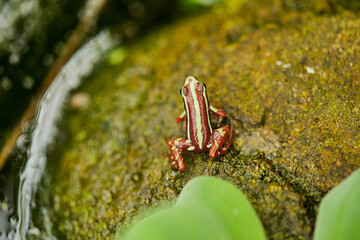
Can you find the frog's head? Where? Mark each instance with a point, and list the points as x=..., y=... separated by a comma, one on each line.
x=193, y=88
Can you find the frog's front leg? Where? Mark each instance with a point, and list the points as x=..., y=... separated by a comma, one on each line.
x=177, y=146
x=217, y=142
x=218, y=112
x=181, y=117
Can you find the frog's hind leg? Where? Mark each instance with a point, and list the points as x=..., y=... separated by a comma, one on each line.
x=219, y=144
x=177, y=145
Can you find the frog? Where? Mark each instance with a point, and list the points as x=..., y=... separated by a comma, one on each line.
x=200, y=136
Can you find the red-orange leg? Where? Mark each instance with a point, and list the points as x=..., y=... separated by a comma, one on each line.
x=218, y=112
x=177, y=145
x=219, y=145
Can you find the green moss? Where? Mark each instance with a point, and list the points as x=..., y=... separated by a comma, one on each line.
x=287, y=79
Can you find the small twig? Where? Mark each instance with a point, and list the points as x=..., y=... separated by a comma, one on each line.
x=88, y=19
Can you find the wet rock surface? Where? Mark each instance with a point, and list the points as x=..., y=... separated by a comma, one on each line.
x=288, y=81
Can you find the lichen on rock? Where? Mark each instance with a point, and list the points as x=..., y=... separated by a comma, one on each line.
x=288, y=79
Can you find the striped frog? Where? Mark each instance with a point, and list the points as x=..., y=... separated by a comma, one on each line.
x=200, y=135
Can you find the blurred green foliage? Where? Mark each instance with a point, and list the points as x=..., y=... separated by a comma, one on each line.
x=339, y=213
x=211, y=208
x=207, y=208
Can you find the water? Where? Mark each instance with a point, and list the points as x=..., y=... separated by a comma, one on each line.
x=26, y=19
x=19, y=226
x=12, y=12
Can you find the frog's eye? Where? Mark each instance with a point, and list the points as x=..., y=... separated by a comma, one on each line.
x=180, y=91
x=204, y=86
x=200, y=87
x=185, y=91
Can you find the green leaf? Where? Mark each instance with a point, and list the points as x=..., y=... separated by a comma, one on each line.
x=204, y=2
x=207, y=208
x=177, y=224
x=226, y=203
x=339, y=212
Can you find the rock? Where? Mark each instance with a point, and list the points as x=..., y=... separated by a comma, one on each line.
x=288, y=80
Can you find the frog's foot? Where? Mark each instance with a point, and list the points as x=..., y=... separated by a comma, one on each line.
x=177, y=145
x=219, y=144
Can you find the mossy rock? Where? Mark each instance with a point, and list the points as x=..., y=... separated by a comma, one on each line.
x=288, y=80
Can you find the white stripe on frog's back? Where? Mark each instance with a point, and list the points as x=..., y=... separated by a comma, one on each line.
x=207, y=109
x=199, y=133
x=187, y=116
